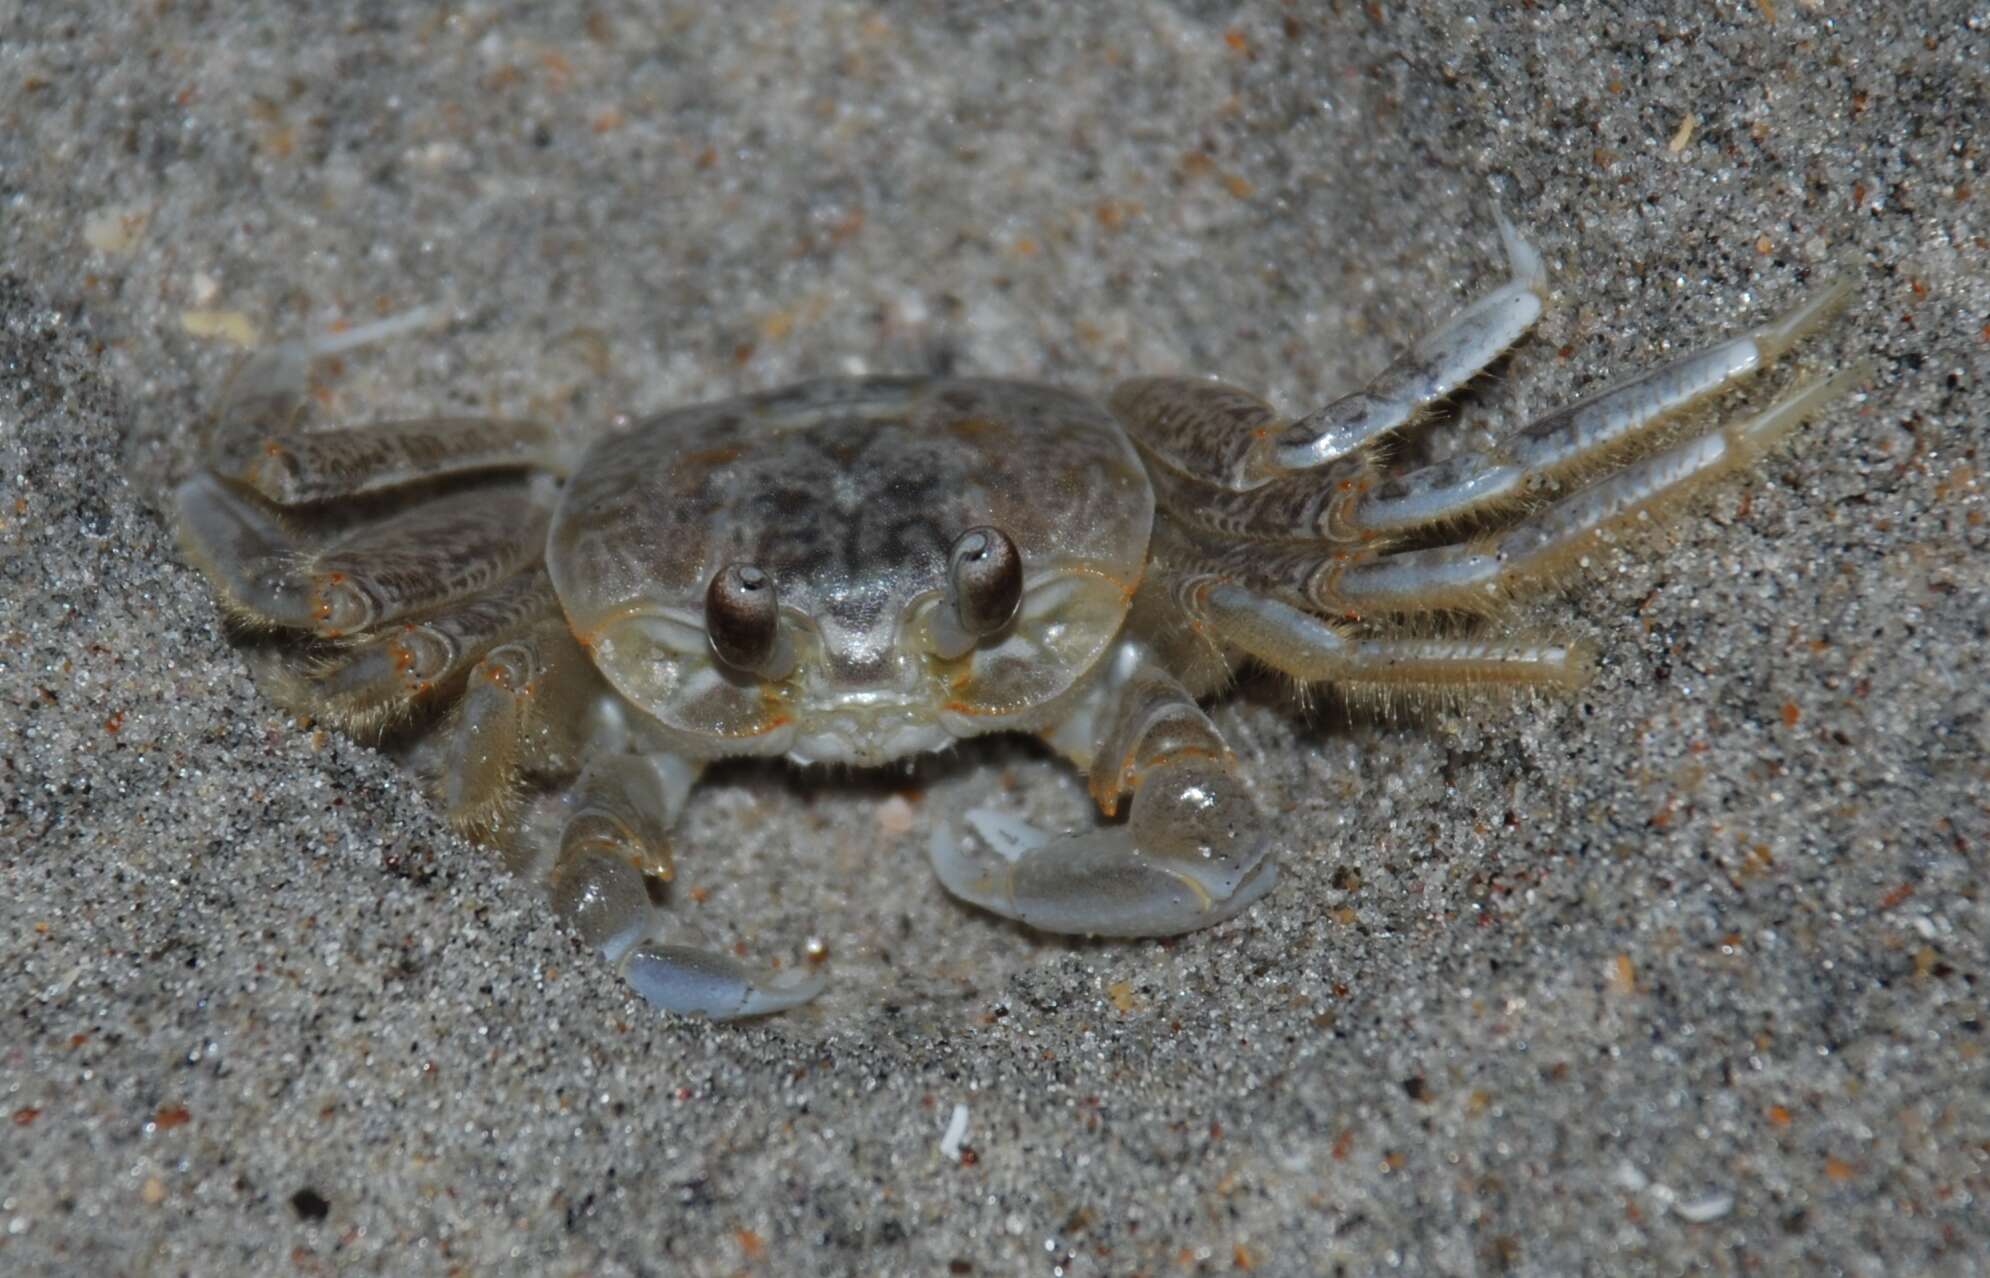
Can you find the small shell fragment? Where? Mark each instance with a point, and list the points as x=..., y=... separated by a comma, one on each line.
x=1699, y=1211
x=231, y=326
x=1684, y=135
x=956, y=1133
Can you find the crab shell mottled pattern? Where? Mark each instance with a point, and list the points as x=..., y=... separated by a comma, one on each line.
x=848, y=494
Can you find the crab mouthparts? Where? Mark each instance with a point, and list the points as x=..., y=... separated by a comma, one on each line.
x=877, y=728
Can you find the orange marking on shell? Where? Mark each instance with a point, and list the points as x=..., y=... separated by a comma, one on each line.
x=958, y=706
x=1180, y=752
x=723, y=455
x=321, y=612
x=973, y=426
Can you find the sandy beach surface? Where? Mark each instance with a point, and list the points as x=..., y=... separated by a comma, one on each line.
x=1681, y=973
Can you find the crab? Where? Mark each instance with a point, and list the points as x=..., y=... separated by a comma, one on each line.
x=863, y=570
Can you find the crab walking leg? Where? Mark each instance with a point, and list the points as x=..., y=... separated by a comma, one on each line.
x=1574, y=438
x=434, y=553
x=374, y=684
x=1193, y=851
x=1343, y=503
x=1433, y=368
x=255, y=441
x=293, y=468
x=1469, y=575
x=266, y=394
x=1229, y=438
x=244, y=550
x=1200, y=433
x=1309, y=508
x=1303, y=646
x=522, y=706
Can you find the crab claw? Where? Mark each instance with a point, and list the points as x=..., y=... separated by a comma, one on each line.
x=621, y=814
x=679, y=978
x=1193, y=854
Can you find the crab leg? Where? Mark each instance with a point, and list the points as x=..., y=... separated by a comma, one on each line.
x=372, y=685
x=521, y=708
x=1308, y=508
x=1566, y=442
x=1473, y=574
x=620, y=831
x=1193, y=851
x=522, y=705
x=1229, y=438
x=1433, y=368
x=294, y=468
x=434, y=553
x=266, y=395
x=1343, y=503
x=241, y=546
x=254, y=437
x=1303, y=646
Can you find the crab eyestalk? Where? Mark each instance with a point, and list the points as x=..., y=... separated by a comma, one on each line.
x=985, y=576
x=984, y=587
x=743, y=620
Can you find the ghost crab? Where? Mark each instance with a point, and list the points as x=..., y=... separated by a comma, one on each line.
x=860, y=571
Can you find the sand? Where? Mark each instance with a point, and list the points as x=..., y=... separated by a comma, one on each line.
x=1682, y=972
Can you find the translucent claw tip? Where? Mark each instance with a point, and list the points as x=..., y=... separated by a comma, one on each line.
x=1811, y=314
x=678, y=978
x=1783, y=416
x=381, y=330
x=1523, y=259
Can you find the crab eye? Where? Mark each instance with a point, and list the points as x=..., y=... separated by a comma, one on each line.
x=985, y=572
x=742, y=616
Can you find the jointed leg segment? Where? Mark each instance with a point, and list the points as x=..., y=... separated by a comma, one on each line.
x=1588, y=434
x=1328, y=537
x=623, y=810
x=1296, y=643
x=1433, y=369
x=1218, y=436
x=1533, y=550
